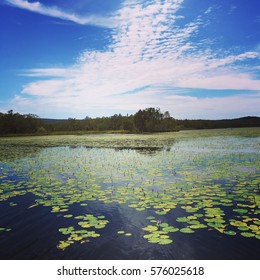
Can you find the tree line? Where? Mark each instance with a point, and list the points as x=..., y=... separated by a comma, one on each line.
x=144, y=121
x=15, y=123
x=147, y=120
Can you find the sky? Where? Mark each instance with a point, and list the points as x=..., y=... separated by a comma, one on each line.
x=77, y=58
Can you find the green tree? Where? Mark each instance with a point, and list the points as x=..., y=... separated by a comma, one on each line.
x=148, y=120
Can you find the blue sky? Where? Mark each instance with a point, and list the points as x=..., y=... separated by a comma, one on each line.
x=75, y=58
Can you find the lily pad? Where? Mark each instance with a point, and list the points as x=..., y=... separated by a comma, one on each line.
x=238, y=224
x=164, y=241
x=182, y=219
x=68, y=216
x=197, y=226
x=170, y=229
x=247, y=234
x=240, y=211
x=230, y=232
x=150, y=228
x=187, y=230
x=243, y=228
x=154, y=240
x=150, y=218
x=162, y=212
x=63, y=245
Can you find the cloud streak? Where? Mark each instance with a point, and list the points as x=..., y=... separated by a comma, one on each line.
x=56, y=12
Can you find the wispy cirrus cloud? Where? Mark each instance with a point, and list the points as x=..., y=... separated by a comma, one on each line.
x=56, y=12
x=151, y=60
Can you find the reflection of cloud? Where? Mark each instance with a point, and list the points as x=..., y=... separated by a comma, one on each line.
x=37, y=7
x=150, y=53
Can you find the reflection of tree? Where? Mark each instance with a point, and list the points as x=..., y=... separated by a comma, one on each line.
x=147, y=150
x=14, y=152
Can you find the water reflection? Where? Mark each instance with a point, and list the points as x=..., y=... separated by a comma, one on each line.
x=143, y=151
x=12, y=152
x=149, y=151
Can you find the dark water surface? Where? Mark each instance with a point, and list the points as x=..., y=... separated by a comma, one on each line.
x=35, y=236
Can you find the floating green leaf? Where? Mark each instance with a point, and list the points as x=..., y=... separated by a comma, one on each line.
x=164, y=241
x=247, y=234
x=150, y=228
x=63, y=245
x=68, y=216
x=186, y=230
x=229, y=232
x=240, y=211
x=182, y=219
x=197, y=226
x=170, y=229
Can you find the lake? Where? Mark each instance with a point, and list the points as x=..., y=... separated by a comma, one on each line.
x=182, y=195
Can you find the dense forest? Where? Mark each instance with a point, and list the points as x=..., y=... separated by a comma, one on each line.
x=143, y=121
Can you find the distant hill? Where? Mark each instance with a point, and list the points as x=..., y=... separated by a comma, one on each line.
x=52, y=121
x=242, y=122
x=249, y=121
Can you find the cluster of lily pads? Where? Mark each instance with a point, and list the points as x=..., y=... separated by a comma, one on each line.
x=88, y=225
x=214, y=181
x=158, y=233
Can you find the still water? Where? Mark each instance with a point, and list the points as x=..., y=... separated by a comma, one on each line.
x=192, y=198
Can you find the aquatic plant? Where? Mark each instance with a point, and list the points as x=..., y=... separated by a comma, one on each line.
x=211, y=183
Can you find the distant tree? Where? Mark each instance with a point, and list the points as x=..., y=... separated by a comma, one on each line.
x=116, y=122
x=148, y=120
x=168, y=123
x=166, y=115
x=12, y=123
x=128, y=123
x=139, y=121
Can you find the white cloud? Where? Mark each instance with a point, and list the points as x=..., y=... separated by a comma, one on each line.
x=47, y=72
x=228, y=81
x=148, y=48
x=208, y=11
x=216, y=107
x=56, y=12
x=180, y=106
